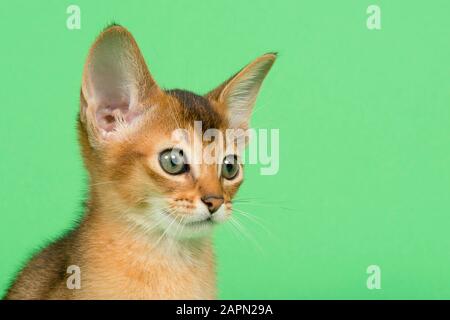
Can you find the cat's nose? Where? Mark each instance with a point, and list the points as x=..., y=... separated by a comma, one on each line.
x=213, y=202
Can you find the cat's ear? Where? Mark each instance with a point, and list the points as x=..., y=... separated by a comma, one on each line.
x=116, y=82
x=238, y=94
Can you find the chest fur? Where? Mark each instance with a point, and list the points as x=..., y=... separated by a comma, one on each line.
x=115, y=269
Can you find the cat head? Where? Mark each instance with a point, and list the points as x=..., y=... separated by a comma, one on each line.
x=139, y=142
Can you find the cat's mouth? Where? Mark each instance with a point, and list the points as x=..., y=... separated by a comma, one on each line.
x=200, y=223
x=194, y=224
x=189, y=225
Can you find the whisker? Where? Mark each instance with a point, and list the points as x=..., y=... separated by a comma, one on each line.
x=101, y=183
x=244, y=231
x=164, y=233
x=235, y=230
x=253, y=218
x=291, y=210
x=273, y=205
x=182, y=226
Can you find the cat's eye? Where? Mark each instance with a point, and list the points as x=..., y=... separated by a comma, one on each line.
x=230, y=167
x=173, y=161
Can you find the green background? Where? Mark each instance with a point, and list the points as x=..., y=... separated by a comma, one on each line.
x=364, y=119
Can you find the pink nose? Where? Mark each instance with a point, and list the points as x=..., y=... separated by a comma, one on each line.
x=213, y=202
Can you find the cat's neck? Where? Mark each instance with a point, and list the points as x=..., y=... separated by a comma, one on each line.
x=141, y=265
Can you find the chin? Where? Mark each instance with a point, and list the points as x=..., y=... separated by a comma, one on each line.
x=193, y=230
x=190, y=227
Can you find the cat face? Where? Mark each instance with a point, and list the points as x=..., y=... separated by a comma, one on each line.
x=150, y=154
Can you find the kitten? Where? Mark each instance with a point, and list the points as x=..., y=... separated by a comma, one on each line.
x=146, y=232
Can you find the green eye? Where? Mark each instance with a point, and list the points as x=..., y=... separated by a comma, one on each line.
x=173, y=161
x=230, y=167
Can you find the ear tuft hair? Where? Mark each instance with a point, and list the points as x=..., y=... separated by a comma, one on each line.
x=111, y=25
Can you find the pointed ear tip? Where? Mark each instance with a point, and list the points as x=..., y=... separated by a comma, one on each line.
x=112, y=33
x=114, y=29
x=268, y=59
x=270, y=55
x=113, y=26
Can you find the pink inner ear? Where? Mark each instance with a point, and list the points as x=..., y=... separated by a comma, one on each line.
x=109, y=115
